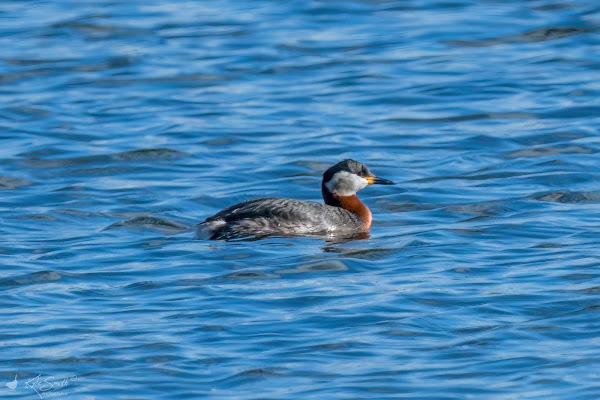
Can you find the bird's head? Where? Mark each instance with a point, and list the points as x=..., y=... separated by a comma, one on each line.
x=348, y=177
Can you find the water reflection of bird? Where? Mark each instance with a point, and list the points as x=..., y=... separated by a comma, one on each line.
x=12, y=385
x=342, y=214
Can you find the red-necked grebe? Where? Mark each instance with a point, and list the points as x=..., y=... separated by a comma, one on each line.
x=343, y=213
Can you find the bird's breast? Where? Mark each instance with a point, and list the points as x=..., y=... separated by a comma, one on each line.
x=354, y=205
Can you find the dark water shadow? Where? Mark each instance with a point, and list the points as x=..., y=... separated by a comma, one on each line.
x=150, y=222
x=533, y=36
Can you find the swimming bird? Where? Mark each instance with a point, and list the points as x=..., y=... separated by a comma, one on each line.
x=342, y=214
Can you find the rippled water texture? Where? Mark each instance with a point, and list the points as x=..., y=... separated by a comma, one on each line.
x=125, y=123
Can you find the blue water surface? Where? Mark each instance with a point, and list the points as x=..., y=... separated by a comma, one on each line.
x=125, y=123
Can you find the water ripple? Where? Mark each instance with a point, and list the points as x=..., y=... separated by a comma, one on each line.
x=124, y=124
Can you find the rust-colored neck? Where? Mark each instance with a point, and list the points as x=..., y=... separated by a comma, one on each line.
x=352, y=204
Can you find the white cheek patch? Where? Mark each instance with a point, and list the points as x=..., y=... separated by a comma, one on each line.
x=344, y=183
